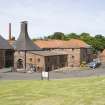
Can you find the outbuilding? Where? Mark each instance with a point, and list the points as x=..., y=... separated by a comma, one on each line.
x=6, y=53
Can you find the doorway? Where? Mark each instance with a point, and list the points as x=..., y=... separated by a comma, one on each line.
x=20, y=63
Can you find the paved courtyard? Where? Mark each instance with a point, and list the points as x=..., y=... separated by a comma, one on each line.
x=5, y=74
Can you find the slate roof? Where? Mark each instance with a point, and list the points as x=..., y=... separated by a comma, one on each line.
x=24, y=43
x=4, y=44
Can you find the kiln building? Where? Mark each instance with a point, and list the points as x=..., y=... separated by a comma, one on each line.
x=48, y=54
x=27, y=54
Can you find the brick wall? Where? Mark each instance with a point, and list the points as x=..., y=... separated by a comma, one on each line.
x=42, y=62
x=76, y=56
x=73, y=56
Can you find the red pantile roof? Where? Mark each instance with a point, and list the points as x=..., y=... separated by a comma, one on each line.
x=73, y=43
x=76, y=43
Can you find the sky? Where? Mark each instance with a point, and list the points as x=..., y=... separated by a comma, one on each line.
x=48, y=16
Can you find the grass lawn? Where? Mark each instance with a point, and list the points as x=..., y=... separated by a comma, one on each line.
x=76, y=91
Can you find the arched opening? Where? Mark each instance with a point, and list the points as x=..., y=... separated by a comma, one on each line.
x=20, y=63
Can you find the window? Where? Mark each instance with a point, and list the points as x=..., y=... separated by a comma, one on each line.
x=38, y=60
x=30, y=59
x=72, y=57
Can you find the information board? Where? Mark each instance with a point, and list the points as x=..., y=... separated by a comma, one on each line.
x=45, y=74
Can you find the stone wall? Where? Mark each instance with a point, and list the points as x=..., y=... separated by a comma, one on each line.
x=102, y=58
x=73, y=56
x=41, y=62
x=36, y=60
x=76, y=55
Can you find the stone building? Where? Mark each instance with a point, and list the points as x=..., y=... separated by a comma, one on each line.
x=6, y=53
x=77, y=50
x=41, y=60
x=22, y=45
x=29, y=55
x=53, y=53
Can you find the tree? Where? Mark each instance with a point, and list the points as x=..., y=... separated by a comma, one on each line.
x=97, y=42
x=100, y=41
x=84, y=35
x=72, y=36
x=57, y=35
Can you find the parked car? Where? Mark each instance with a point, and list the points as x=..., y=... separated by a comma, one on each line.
x=94, y=64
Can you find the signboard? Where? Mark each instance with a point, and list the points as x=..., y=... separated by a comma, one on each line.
x=45, y=74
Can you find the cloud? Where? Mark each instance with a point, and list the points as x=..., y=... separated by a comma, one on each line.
x=48, y=16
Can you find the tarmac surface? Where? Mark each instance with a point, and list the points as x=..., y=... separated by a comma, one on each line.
x=6, y=74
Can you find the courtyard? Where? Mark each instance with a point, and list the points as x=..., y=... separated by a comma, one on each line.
x=6, y=74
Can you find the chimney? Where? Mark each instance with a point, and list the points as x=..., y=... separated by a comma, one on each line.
x=24, y=43
x=24, y=27
x=10, y=37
